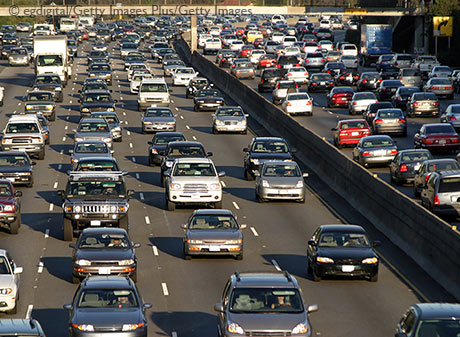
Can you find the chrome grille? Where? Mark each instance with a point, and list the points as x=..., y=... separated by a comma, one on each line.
x=284, y=187
x=95, y=208
x=348, y=262
x=268, y=333
x=21, y=141
x=195, y=188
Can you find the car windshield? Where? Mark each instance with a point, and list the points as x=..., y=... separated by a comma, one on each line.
x=443, y=69
x=91, y=148
x=455, y=108
x=377, y=142
x=213, y=221
x=262, y=146
x=92, y=187
x=364, y=95
x=415, y=156
x=186, y=151
x=50, y=60
x=208, y=93
x=158, y=113
x=445, y=165
x=341, y=239
x=164, y=139
x=184, y=71
x=47, y=80
x=389, y=114
x=288, y=170
x=227, y=112
x=5, y=268
x=111, y=119
x=353, y=124
x=100, y=67
x=272, y=73
x=22, y=128
x=445, y=81
x=129, y=46
x=438, y=129
x=97, y=98
x=408, y=90
x=154, y=87
x=266, y=300
x=107, y=298
x=370, y=76
x=93, y=127
x=297, y=97
x=21, y=51
x=425, y=96
x=95, y=86
x=194, y=169
x=438, y=327
x=199, y=82
x=97, y=165
x=5, y=189
x=39, y=96
x=104, y=240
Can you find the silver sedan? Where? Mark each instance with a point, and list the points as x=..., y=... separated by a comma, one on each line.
x=375, y=150
x=360, y=101
x=280, y=180
x=158, y=119
x=441, y=86
x=230, y=119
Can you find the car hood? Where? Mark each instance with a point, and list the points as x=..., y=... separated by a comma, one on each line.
x=97, y=105
x=6, y=281
x=92, y=135
x=230, y=118
x=267, y=322
x=159, y=119
x=100, y=254
x=271, y=156
x=10, y=169
x=213, y=234
x=289, y=181
x=195, y=179
x=107, y=316
x=346, y=252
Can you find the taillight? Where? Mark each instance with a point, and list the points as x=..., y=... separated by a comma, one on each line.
x=402, y=120
x=328, y=71
x=364, y=81
x=380, y=80
x=223, y=60
x=322, y=60
x=416, y=104
x=314, y=84
x=454, y=140
x=427, y=177
x=396, y=63
x=366, y=154
x=436, y=103
x=435, y=75
x=305, y=74
x=308, y=102
x=394, y=151
x=384, y=89
x=436, y=200
x=288, y=104
x=297, y=65
x=278, y=66
x=290, y=74
x=452, y=118
x=449, y=88
x=342, y=77
x=403, y=168
x=354, y=103
x=378, y=121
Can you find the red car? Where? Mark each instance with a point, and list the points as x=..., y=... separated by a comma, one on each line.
x=85, y=35
x=246, y=50
x=437, y=136
x=10, y=206
x=267, y=61
x=350, y=132
x=339, y=96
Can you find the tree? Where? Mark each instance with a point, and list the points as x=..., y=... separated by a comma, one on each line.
x=444, y=7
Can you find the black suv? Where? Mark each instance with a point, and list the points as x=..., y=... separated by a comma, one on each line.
x=96, y=101
x=49, y=82
x=21, y=327
x=268, y=79
x=262, y=149
x=94, y=199
x=259, y=303
x=104, y=251
x=105, y=304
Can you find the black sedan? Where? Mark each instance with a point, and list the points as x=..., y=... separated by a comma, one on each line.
x=406, y=164
x=387, y=89
x=320, y=82
x=389, y=72
x=347, y=77
x=16, y=167
x=402, y=95
x=107, y=303
x=368, y=81
x=158, y=145
x=208, y=99
x=342, y=250
x=262, y=149
x=195, y=85
x=96, y=101
x=103, y=251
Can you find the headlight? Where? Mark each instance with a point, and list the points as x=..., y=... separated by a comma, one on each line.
x=129, y=327
x=85, y=110
x=84, y=327
x=299, y=184
x=235, y=328
x=324, y=259
x=142, y=100
x=255, y=161
x=125, y=262
x=265, y=183
x=8, y=208
x=154, y=151
x=6, y=291
x=78, y=139
x=219, y=102
x=110, y=109
x=113, y=209
x=28, y=107
x=77, y=209
x=174, y=187
x=200, y=101
x=370, y=260
x=214, y=186
x=49, y=107
x=147, y=123
x=84, y=263
x=197, y=242
x=58, y=89
x=219, y=122
x=172, y=123
x=243, y=122
x=92, y=75
x=300, y=328
x=169, y=164
x=107, y=140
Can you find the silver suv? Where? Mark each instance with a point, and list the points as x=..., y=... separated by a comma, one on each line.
x=263, y=304
x=441, y=193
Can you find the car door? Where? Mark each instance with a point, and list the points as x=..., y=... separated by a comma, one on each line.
x=13, y=268
x=406, y=325
x=247, y=155
x=394, y=165
x=420, y=176
x=312, y=250
x=222, y=316
x=428, y=191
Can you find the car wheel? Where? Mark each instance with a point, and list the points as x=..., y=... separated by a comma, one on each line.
x=53, y=117
x=75, y=279
x=218, y=204
x=187, y=94
x=187, y=256
x=170, y=205
x=195, y=108
x=248, y=175
x=67, y=229
x=315, y=276
x=41, y=155
x=245, y=132
x=133, y=276
x=392, y=178
x=214, y=131
x=123, y=223
x=416, y=192
x=239, y=257
x=14, y=226
x=374, y=278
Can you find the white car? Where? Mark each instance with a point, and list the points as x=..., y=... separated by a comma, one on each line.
x=291, y=51
x=183, y=75
x=212, y=45
x=326, y=44
x=2, y=92
x=360, y=101
x=256, y=54
x=236, y=45
x=440, y=71
x=325, y=24
x=202, y=39
x=349, y=49
x=136, y=82
x=288, y=41
x=298, y=75
x=299, y=103
x=228, y=39
x=350, y=61
x=9, y=283
x=277, y=37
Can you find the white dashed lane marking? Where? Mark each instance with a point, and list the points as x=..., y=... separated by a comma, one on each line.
x=147, y=220
x=29, y=311
x=51, y=207
x=141, y=195
x=40, y=268
x=165, y=289
x=188, y=127
x=235, y=205
x=223, y=183
x=194, y=138
x=55, y=185
x=155, y=250
x=181, y=117
x=253, y=230
x=47, y=233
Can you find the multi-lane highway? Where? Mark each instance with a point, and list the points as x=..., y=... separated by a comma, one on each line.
x=183, y=293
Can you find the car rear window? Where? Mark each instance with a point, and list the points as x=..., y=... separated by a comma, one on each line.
x=404, y=58
x=437, y=129
x=449, y=185
x=410, y=72
x=272, y=73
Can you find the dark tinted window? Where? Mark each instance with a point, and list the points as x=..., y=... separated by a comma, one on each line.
x=449, y=185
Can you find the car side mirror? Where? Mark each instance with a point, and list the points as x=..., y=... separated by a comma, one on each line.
x=243, y=226
x=73, y=245
x=222, y=174
x=333, y=129
x=219, y=307
x=183, y=226
x=131, y=193
x=18, y=270
x=305, y=175
x=18, y=193
x=245, y=149
x=67, y=306
x=311, y=243
x=376, y=244
x=146, y=306
x=257, y=173
x=150, y=142
x=136, y=245
x=209, y=154
x=312, y=308
x=112, y=151
x=293, y=150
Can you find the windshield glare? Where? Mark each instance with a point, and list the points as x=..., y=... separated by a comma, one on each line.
x=95, y=188
x=99, y=240
x=266, y=300
x=91, y=148
x=339, y=239
x=22, y=128
x=107, y=298
x=213, y=222
x=270, y=147
x=281, y=171
x=194, y=169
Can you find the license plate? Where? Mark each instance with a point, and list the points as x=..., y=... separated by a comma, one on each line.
x=348, y=269
x=356, y=133
x=442, y=141
x=380, y=152
x=416, y=167
x=95, y=223
x=214, y=248
x=322, y=83
x=104, y=271
x=284, y=192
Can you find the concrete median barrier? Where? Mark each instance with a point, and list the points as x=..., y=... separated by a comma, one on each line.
x=426, y=238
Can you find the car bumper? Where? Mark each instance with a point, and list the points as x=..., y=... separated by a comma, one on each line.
x=434, y=147
x=17, y=180
x=156, y=158
x=142, y=332
x=155, y=128
x=83, y=271
x=148, y=104
x=230, y=128
x=6, y=218
x=338, y=270
x=181, y=81
x=390, y=129
x=7, y=302
x=426, y=112
x=338, y=103
x=282, y=194
x=19, y=62
x=348, y=141
x=95, y=220
x=203, y=249
x=31, y=149
x=299, y=110
x=184, y=197
x=358, y=108
x=442, y=92
x=384, y=160
x=407, y=177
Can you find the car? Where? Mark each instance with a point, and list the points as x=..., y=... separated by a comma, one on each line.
x=437, y=136
x=243, y=70
x=96, y=101
x=18, y=56
x=96, y=85
x=422, y=174
x=410, y=77
x=387, y=89
x=424, y=63
x=226, y=59
x=103, y=251
x=10, y=203
x=389, y=72
x=157, y=145
x=282, y=88
x=107, y=302
x=389, y=121
x=102, y=70
x=440, y=71
x=16, y=167
x=208, y=99
x=440, y=86
x=369, y=113
x=98, y=54
x=9, y=283
x=429, y=319
x=298, y=103
x=334, y=68
x=440, y=193
x=24, y=133
x=262, y=149
x=153, y=91
x=49, y=82
x=383, y=61
x=41, y=102
x=213, y=232
x=314, y=61
x=195, y=85
x=368, y=81
x=24, y=27
x=423, y=104
x=158, y=119
x=452, y=115
x=320, y=82
x=280, y=180
x=183, y=75
x=298, y=75
x=87, y=149
x=402, y=60
x=193, y=181
x=268, y=79
x=342, y=250
x=136, y=80
x=94, y=129
x=126, y=48
x=170, y=67
x=406, y=163
x=263, y=302
x=10, y=327
x=94, y=163
x=377, y=150
x=350, y=131
x=339, y=96
x=402, y=95
x=360, y=101
x=230, y=119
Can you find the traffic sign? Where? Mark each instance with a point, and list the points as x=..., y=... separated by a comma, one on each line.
x=355, y=10
x=443, y=26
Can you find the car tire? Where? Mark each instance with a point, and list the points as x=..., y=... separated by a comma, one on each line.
x=170, y=205
x=374, y=278
x=239, y=257
x=75, y=279
x=133, y=276
x=14, y=226
x=67, y=229
x=47, y=141
x=245, y=132
x=260, y=90
x=187, y=95
x=214, y=131
x=315, y=276
x=195, y=108
x=187, y=256
x=53, y=117
x=218, y=204
x=417, y=194
x=248, y=175
x=124, y=223
x=41, y=155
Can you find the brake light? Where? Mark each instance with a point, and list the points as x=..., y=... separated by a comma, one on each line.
x=366, y=154
x=454, y=140
x=223, y=60
x=427, y=141
x=278, y=66
x=262, y=81
x=289, y=74
x=378, y=121
x=449, y=88
x=314, y=84
x=396, y=63
x=402, y=120
x=434, y=88
x=306, y=61
x=436, y=103
x=364, y=81
x=452, y=118
x=435, y=75
x=394, y=151
x=342, y=77
x=305, y=74
x=427, y=177
x=328, y=71
x=436, y=200
x=380, y=80
x=309, y=103
x=354, y=103
x=322, y=60
x=297, y=65
x=416, y=104
x=403, y=168
x=384, y=89
x=288, y=104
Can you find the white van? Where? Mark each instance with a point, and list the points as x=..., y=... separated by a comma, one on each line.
x=349, y=49
x=153, y=91
x=277, y=18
